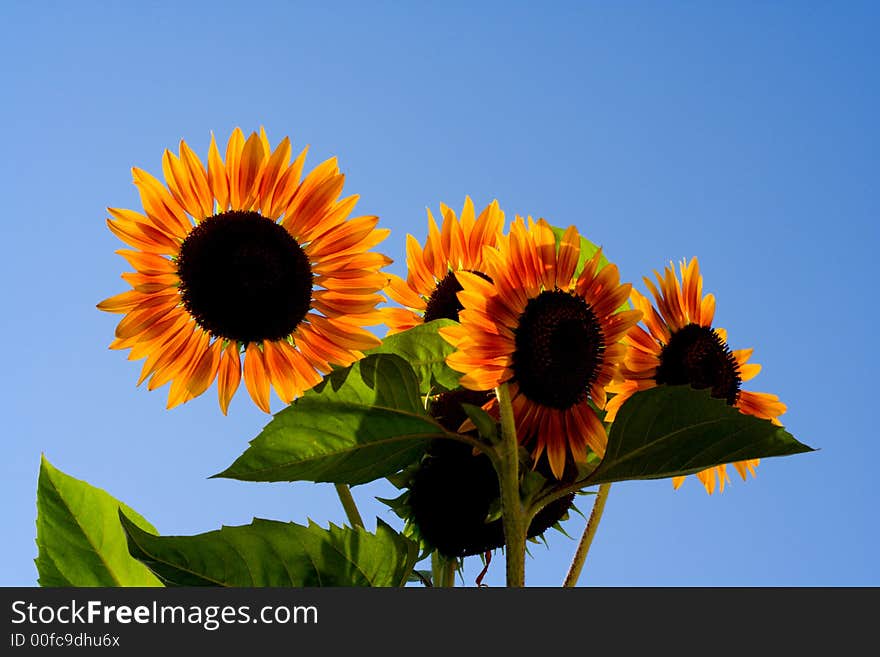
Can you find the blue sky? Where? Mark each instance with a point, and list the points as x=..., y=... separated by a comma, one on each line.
x=742, y=133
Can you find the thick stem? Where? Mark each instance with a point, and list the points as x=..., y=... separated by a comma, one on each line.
x=351, y=510
x=512, y=511
x=450, y=574
x=580, y=555
x=437, y=576
x=442, y=570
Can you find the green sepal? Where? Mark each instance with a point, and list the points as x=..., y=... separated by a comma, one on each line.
x=422, y=577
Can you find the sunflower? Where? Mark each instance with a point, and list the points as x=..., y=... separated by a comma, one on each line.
x=242, y=269
x=552, y=336
x=682, y=347
x=453, y=491
x=429, y=291
x=451, y=498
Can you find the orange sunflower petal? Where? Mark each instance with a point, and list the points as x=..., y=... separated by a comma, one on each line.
x=256, y=376
x=228, y=375
x=217, y=179
x=161, y=207
x=206, y=369
x=250, y=166
x=279, y=371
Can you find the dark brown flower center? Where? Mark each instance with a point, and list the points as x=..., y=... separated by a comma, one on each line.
x=443, y=302
x=697, y=356
x=559, y=348
x=244, y=277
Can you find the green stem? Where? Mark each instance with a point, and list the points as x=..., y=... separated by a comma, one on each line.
x=512, y=511
x=449, y=575
x=351, y=510
x=580, y=555
x=437, y=576
x=442, y=570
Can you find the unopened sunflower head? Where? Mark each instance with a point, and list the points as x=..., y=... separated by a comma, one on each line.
x=245, y=260
x=552, y=334
x=679, y=346
x=429, y=291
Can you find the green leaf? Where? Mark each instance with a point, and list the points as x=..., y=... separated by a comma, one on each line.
x=424, y=349
x=486, y=425
x=271, y=553
x=675, y=430
x=361, y=423
x=79, y=538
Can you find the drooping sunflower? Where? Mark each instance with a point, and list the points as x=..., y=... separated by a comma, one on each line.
x=429, y=291
x=453, y=491
x=682, y=347
x=552, y=336
x=243, y=260
x=452, y=494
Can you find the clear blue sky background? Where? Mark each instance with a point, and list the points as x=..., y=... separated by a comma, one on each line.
x=743, y=133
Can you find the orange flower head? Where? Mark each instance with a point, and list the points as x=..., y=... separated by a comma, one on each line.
x=680, y=346
x=551, y=335
x=429, y=291
x=245, y=269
